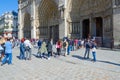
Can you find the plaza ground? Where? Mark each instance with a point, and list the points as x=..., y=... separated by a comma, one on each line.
x=71, y=67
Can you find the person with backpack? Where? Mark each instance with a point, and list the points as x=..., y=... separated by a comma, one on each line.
x=65, y=46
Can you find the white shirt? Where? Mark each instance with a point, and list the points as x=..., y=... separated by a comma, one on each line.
x=27, y=43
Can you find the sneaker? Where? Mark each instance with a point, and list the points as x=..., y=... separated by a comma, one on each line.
x=64, y=55
x=48, y=58
x=10, y=64
x=29, y=58
x=2, y=64
x=87, y=57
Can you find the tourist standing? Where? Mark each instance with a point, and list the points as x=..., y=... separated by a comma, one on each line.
x=43, y=49
x=49, y=49
x=28, y=49
x=22, y=49
x=8, y=52
x=39, y=43
x=65, y=46
x=94, y=47
x=58, y=47
x=112, y=44
x=87, y=49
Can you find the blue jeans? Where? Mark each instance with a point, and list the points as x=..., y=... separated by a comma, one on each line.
x=94, y=56
x=68, y=50
x=22, y=54
x=72, y=46
x=49, y=53
x=9, y=57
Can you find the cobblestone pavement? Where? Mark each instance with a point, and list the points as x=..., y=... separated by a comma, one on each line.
x=72, y=67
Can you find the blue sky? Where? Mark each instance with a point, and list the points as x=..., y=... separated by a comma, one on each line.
x=8, y=5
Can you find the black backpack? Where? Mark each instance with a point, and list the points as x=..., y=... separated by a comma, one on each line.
x=64, y=44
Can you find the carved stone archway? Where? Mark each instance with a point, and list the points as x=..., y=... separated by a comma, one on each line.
x=48, y=19
x=80, y=10
x=27, y=26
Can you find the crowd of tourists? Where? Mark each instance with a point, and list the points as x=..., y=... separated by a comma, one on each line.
x=45, y=48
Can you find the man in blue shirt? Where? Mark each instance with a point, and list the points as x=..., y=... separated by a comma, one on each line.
x=39, y=43
x=8, y=52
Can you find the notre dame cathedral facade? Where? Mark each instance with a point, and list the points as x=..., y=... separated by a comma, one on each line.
x=71, y=18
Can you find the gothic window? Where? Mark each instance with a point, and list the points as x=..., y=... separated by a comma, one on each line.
x=117, y=2
x=70, y=28
x=75, y=28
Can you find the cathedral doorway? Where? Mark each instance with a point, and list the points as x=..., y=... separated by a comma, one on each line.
x=54, y=33
x=99, y=27
x=86, y=28
x=48, y=19
x=27, y=26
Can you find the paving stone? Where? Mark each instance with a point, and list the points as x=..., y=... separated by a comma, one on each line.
x=71, y=67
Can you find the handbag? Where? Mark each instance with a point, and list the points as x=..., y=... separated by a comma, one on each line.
x=94, y=49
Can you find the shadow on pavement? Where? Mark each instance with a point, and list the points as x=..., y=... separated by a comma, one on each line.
x=18, y=57
x=109, y=62
x=78, y=57
x=81, y=58
x=35, y=55
x=45, y=56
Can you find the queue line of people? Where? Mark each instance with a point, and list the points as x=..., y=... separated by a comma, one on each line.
x=63, y=47
x=46, y=47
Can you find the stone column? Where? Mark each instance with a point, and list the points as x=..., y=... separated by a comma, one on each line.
x=103, y=27
x=93, y=27
x=66, y=1
x=20, y=24
x=90, y=23
x=81, y=28
x=65, y=17
x=69, y=30
x=33, y=30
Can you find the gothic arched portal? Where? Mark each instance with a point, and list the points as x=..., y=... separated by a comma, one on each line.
x=27, y=26
x=85, y=28
x=92, y=10
x=48, y=19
